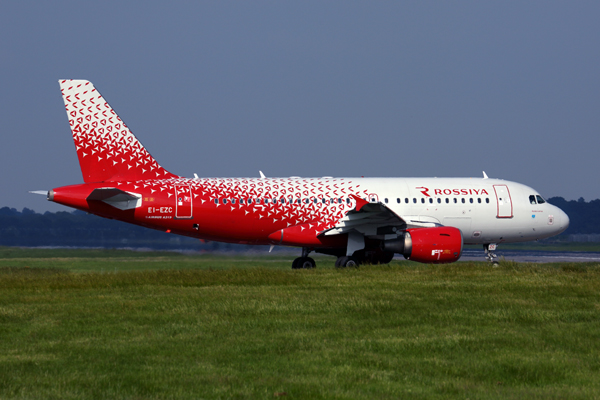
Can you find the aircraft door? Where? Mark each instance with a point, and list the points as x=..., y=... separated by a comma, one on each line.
x=183, y=202
x=505, y=208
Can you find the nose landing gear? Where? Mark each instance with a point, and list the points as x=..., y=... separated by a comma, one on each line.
x=489, y=255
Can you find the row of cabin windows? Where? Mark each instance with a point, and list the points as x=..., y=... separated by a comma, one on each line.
x=439, y=200
x=283, y=200
x=340, y=201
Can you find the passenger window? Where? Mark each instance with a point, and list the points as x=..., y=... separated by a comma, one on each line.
x=479, y=200
x=282, y=200
x=266, y=201
x=532, y=199
x=406, y=200
x=347, y=201
x=398, y=200
x=463, y=200
x=423, y=200
x=471, y=200
x=232, y=201
x=315, y=201
x=430, y=200
x=439, y=200
x=414, y=199
x=386, y=200
x=249, y=201
x=487, y=200
x=216, y=201
x=539, y=199
x=447, y=200
x=323, y=201
x=224, y=201
x=455, y=200
x=241, y=201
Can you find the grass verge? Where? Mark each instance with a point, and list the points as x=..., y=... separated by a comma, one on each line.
x=205, y=327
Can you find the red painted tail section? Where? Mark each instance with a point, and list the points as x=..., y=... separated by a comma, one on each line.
x=106, y=148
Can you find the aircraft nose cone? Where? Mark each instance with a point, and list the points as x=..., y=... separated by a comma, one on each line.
x=563, y=221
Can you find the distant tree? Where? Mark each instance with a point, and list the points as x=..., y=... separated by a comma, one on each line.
x=5, y=211
x=584, y=216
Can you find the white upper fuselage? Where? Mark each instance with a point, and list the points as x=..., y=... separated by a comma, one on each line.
x=485, y=210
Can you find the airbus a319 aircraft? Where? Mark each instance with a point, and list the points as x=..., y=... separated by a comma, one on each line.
x=358, y=220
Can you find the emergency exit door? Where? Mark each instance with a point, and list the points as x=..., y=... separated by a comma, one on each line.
x=505, y=208
x=183, y=202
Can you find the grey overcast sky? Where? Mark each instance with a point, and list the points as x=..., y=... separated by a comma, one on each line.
x=310, y=88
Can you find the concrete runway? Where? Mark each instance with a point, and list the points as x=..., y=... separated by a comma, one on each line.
x=534, y=256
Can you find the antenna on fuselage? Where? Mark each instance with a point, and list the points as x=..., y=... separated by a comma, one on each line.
x=485, y=175
x=262, y=176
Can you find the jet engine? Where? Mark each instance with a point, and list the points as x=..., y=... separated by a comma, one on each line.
x=438, y=245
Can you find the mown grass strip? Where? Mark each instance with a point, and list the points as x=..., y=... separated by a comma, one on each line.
x=231, y=331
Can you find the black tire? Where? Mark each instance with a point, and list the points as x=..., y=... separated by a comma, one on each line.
x=351, y=262
x=296, y=263
x=307, y=263
x=385, y=257
x=338, y=262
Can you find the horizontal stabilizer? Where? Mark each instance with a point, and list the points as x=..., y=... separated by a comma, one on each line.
x=116, y=198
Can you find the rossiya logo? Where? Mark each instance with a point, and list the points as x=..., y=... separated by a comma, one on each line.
x=424, y=190
x=456, y=192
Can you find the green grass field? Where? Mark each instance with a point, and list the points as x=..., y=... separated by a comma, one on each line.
x=128, y=325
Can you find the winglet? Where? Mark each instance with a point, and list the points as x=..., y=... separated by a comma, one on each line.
x=485, y=175
x=360, y=203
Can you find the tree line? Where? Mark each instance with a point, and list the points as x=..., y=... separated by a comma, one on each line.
x=79, y=229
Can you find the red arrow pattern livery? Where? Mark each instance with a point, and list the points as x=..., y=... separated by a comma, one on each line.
x=350, y=218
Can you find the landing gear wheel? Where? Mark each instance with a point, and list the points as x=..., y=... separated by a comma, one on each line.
x=303, y=263
x=307, y=263
x=296, y=262
x=347, y=262
x=385, y=257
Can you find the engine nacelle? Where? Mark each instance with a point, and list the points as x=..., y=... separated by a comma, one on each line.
x=428, y=245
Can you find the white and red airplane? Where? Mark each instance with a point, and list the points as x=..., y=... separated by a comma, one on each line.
x=359, y=220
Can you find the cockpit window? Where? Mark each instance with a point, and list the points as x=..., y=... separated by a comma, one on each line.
x=532, y=199
x=539, y=199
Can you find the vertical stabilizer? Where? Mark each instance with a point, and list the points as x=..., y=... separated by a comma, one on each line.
x=106, y=148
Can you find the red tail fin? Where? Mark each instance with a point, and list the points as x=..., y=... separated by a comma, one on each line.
x=106, y=148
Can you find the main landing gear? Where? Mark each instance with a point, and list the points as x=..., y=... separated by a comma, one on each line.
x=365, y=257
x=304, y=262
x=489, y=255
x=347, y=261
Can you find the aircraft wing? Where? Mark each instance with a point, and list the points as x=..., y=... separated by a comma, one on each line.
x=370, y=219
x=375, y=220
